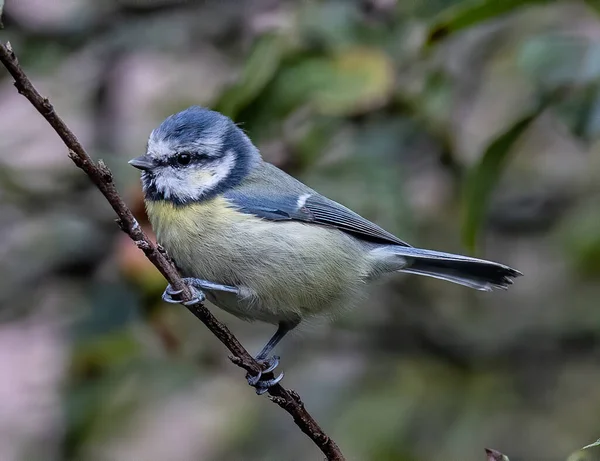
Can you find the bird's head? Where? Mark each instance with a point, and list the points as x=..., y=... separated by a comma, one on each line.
x=195, y=155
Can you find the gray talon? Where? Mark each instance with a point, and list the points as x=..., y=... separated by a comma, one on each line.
x=263, y=386
x=168, y=294
x=272, y=363
x=172, y=292
x=198, y=297
x=257, y=381
x=196, y=300
x=253, y=380
x=168, y=299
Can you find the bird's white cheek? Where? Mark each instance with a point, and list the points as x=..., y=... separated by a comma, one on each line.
x=200, y=182
x=193, y=183
x=212, y=175
x=221, y=169
x=189, y=187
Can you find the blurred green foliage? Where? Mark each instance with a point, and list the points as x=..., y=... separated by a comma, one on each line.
x=471, y=13
x=484, y=176
x=436, y=119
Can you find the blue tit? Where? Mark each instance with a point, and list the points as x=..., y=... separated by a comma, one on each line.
x=262, y=245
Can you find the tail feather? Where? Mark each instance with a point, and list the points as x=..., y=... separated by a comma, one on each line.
x=471, y=272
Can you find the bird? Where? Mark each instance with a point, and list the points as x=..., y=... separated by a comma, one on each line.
x=262, y=245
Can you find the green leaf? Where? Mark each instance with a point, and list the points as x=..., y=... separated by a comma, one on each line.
x=471, y=13
x=354, y=81
x=481, y=179
x=494, y=455
x=594, y=4
x=261, y=66
x=360, y=79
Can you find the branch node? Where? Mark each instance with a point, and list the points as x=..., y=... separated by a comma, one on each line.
x=107, y=175
x=235, y=360
x=121, y=225
x=143, y=245
x=249, y=365
x=77, y=160
x=296, y=397
x=277, y=400
x=47, y=106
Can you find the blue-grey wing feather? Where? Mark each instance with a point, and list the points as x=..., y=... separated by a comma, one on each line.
x=277, y=196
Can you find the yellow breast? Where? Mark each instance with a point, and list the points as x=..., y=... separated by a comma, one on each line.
x=201, y=218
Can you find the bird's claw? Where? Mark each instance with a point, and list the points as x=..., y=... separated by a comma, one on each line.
x=200, y=297
x=169, y=292
x=166, y=297
x=262, y=385
x=271, y=364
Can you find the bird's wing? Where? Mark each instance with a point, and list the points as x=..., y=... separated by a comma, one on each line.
x=308, y=207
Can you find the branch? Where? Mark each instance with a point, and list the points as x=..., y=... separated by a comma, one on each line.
x=101, y=176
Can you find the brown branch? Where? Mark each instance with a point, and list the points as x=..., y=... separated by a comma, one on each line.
x=101, y=176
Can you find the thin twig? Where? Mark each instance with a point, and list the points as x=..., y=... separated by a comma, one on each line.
x=101, y=176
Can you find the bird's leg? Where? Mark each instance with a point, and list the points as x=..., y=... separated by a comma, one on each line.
x=196, y=285
x=262, y=385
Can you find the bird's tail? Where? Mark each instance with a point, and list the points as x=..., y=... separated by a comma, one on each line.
x=471, y=272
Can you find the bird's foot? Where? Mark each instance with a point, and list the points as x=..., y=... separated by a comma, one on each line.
x=258, y=382
x=198, y=295
x=196, y=286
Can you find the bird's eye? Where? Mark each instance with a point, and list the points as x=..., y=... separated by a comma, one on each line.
x=184, y=158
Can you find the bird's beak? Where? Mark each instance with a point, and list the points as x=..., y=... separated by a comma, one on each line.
x=143, y=162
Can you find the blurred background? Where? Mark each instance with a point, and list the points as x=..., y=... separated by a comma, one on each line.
x=459, y=126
